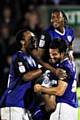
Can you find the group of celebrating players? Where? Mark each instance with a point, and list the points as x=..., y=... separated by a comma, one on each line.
x=42, y=80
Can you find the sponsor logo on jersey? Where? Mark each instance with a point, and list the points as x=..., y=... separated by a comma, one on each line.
x=42, y=43
x=21, y=67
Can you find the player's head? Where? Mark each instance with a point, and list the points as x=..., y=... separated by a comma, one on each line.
x=58, y=18
x=57, y=50
x=24, y=38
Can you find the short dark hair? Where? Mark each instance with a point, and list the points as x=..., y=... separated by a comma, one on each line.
x=64, y=15
x=19, y=35
x=60, y=44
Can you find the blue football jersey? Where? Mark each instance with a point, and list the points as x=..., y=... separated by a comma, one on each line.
x=20, y=93
x=69, y=95
x=67, y=35
x=50, y=34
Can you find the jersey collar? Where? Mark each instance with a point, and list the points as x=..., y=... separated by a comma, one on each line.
x=62, y=61
x=60, y=32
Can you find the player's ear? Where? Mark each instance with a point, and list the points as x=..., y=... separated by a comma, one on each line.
x=22, y=42
x=62, y=55
x=51, y=20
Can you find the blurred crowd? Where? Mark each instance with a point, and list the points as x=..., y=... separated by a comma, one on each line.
x=24, y=3
x=15, y=15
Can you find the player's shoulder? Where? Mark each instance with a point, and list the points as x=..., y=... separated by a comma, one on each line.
x=17, y=55
x=48, y=29
x=69, y=29
x=68, y=65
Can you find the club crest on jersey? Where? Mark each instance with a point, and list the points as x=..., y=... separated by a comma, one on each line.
x=69, y=38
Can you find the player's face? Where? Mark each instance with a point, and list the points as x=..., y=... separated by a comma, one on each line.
x=55, y=55
x=27, y=40
x=57, y=19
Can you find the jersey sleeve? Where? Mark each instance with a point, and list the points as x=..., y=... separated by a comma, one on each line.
x=69, y=71
x=44, y=40
x=72, y=36
x=20, y=65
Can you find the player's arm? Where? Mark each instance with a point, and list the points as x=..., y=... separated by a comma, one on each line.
x=62, y=84
x=31, y=75
x=43, y=45
x=70, y=51
x=22, y=69
x=59, y=90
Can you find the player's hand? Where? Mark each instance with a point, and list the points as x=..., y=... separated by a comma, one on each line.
x=61, y=73
x=70, y=54
x=37, y=88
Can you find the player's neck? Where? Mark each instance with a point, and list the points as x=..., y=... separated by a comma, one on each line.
x=23, y=49
x=61, y=29
x=27, y=51
x=64, y=57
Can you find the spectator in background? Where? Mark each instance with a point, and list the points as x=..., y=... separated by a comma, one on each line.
x=5, y=39
x=2, y=62
x=8, y=17
x=32, y=2
x=7, y=42
x=31, y=21
x=71, y=2
x=56, y=2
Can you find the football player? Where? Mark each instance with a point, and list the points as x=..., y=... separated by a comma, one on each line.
x=65, y=91
x=19, y=98
x=57, y=29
